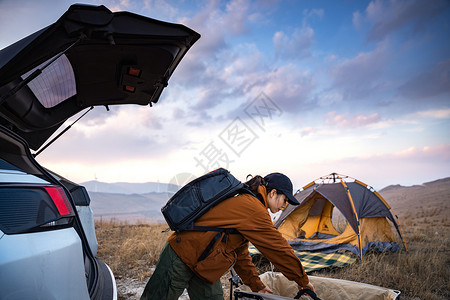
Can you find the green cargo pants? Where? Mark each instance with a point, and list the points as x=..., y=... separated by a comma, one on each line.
x=172, y=276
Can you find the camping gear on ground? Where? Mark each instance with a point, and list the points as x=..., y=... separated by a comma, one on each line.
x=312, y=261
x=235, y=281
x=326, y=288
x=309, y=226
x=197, y=197
x=252, y=295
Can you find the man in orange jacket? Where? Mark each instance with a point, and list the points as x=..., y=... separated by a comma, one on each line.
x=179, y=266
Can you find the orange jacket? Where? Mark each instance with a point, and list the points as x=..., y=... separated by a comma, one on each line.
x=250, y=217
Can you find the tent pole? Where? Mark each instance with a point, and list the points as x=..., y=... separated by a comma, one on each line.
x=359, y=244
x=356, y=215
x=400, y=230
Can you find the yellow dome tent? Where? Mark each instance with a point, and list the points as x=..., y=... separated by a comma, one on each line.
x=309, y=226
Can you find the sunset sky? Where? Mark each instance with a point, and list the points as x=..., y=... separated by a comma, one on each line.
x=306, y=88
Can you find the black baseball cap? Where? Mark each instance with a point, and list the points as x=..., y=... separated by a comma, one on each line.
x=281, y=183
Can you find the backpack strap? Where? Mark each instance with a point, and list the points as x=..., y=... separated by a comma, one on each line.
x=246, y=190
x=220, y=231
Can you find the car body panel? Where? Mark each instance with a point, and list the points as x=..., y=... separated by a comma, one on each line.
x=87, y=220
x=25, y=255
x=20, y=177
x=81, y=199
x=97, y=278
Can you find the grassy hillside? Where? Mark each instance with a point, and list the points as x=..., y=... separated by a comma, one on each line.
x=428, y=203
x=422, y=272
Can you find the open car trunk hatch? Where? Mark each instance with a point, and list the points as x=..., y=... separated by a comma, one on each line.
x=89, y=57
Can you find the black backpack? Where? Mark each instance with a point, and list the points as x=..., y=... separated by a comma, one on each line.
x=197, y=197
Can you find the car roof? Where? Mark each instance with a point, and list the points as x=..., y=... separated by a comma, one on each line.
x=89, y=57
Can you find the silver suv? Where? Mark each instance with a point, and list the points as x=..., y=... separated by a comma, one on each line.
x=89, y=57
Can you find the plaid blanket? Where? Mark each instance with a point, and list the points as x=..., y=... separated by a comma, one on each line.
x=317, y=260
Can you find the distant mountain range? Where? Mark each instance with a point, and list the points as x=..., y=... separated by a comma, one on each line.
x=129, y=188
x=134, y=202
x=430, y=200
x=128, y=207
x=129, y=202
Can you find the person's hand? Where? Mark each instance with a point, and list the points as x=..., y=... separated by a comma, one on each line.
x=309, y=286
x=265, y=290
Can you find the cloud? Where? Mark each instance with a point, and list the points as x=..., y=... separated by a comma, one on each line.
x=311, y=13
x=119, y=5
x=308, y=131
x=236, y=16
x=342, y=120
x=430, y=83
x=248, y=73
x=229, y=81
x=215, y=25
x=298, y=45
x=19, y=19
x=433, y=113
x=295, y=47
x=203, y=67
x=216, y=71
x=162, y=7
x=442, y=151
x=129, y=130
x=360, y=76
x=241, y=74
x=422, y=154
x=289, y=85
x=388, y=17
x=357, y=19
x=327, y=98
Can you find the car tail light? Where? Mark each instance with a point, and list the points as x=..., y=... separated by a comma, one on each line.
x=60, y=199
x=26, y=208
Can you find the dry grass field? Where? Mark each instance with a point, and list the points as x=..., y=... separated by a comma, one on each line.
x=422, y=272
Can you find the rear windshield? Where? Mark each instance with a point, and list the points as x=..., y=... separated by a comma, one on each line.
x=55, y=84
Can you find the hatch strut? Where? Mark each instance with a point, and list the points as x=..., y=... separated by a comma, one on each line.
x=61, y=133
x=35, y=74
